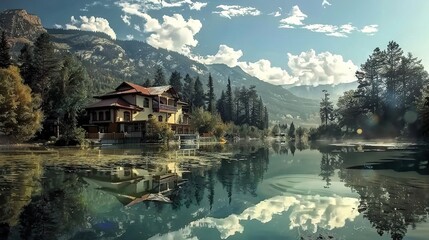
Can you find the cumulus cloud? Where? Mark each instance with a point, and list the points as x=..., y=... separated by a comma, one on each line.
x=294, y=18
x=370, y=29
x=310, y=68
x=230, y=11
x=197, y=5
x=263, y=70
x=94, y=24
x=306, y=212
x=225, y=55
x=126, y=19
x=174, y=33
x=130, y=37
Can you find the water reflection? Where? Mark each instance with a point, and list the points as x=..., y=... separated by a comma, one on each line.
x=217, y=191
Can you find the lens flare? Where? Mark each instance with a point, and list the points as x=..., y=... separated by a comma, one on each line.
x=359, y=131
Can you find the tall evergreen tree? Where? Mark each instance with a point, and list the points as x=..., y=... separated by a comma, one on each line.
x=266, y=118
x=237, y=105
x=147, y=83
x=221, y=106
x=46, y=67
x=5, y=60
x=198, y=98
x=25, y=61
x=176, y=82
x=210, y=95
x=229, y=102
x=326, y=109
x=189, y=88
x=159, y=78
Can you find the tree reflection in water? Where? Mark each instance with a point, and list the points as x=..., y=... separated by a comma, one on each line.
x=392, y=203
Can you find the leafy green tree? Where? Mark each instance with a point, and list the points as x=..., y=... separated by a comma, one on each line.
x=203, y=121
x=210, y=96
x=349, y=111
x=159, y=78
x=176, y=82
x=300, y=132
x=198, y=98
x=20, y=117
x=159, y=131
x=291, y=132
x=5, y=60
x=276, y=130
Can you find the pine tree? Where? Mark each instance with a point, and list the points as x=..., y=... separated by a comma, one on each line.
x=25, y=61
x=189, y=84
x=210, y=95
x=229, y=104
x=266, y=118
x=147, y=83
x=159, y=78
x=326, y=109
x=176, y=82
x=221, y=106
x=46, y=67
x=5, y=60
x=198, y=98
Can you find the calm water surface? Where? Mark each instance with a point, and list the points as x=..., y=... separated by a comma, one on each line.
x=218, y=192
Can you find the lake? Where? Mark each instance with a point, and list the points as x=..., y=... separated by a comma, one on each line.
x=240, y=191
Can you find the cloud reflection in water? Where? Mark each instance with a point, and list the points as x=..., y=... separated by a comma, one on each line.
x=306, y=212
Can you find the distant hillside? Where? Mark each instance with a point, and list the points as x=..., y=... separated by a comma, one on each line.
x=110, y=62
x=315, y=92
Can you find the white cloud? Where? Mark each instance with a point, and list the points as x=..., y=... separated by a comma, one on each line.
x=94, y=24
x=332, y=30
x=229, y=11
x=295, y=18
x=130, y=37
x=225, y=55
x=57, y=26
x=310, y=68
x=174, y=33
x=197, y=5
x=263, y=70
x=126, y=19
x=306, y=212
x=370, y=29
x=307, y=68
x=145, y=5
x=326, y=3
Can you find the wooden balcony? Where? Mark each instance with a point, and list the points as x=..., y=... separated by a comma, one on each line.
x=164, y=108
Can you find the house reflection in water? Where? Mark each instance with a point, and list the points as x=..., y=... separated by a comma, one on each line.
x=130, y=183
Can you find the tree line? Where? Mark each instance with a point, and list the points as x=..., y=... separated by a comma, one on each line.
x=392, y=98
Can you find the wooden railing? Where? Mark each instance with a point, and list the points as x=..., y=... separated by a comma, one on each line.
x=164, y=107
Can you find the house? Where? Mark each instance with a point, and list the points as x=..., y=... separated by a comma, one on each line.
x=125, y=111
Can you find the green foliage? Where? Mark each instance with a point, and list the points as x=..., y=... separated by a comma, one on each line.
x=326, y=109
x=176, y=82
x=20, y=117
x=300, y=133
x=158, y=131
x=198, y=98
x=159, y=78
x=210, y=96
x=276, y=130
x=203, y=121
x=5, y=60
x=189, y=88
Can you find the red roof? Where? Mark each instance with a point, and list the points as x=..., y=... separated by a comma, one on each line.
x=113, y=102
x=137, y=87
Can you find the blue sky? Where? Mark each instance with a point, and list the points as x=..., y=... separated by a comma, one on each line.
x=279, y=41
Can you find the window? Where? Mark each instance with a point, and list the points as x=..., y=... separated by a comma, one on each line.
x=150, y=116
x=107, y=116
x=127, y=116
x=146, y=102
x=94, y=116
x=160, y=118
x=100, y=116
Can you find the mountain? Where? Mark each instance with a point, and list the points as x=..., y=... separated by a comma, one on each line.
x=109, y=62
x=315, y=92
